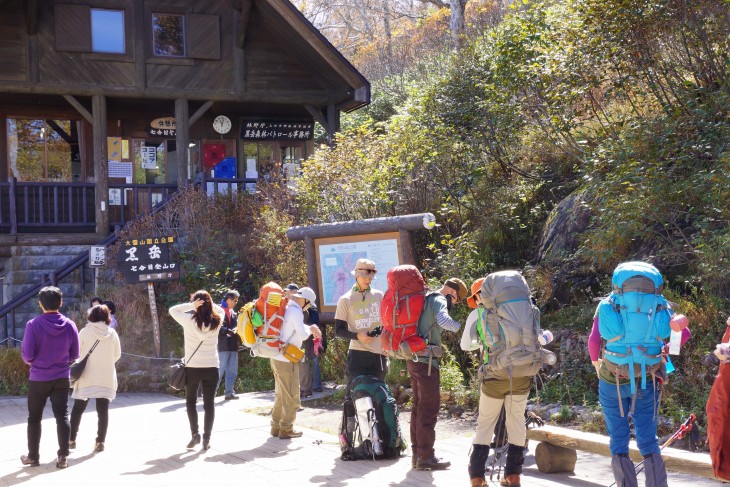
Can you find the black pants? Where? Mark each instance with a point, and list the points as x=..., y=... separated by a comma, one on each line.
x=364, y=363
x=425, y=410
x=38, y=394
x=208, y=377
x=102, y=411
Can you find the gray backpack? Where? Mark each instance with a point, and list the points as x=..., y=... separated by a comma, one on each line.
x=509, y=328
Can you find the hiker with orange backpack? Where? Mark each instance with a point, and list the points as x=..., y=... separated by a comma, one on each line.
x=357, y=319
x=633, y=321
x=425, y=376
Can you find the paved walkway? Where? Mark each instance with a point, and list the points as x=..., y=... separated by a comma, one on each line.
x=148, y=433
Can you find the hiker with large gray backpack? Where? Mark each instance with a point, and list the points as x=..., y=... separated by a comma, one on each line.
x=505, y=325
x=633, y=322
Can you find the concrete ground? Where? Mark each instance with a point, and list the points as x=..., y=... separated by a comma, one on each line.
x=146, y=447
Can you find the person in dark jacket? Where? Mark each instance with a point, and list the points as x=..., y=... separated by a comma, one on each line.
x=50, y=345
x=310, y=365
x=228, y=342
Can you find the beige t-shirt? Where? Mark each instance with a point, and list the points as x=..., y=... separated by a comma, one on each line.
x=361, y=311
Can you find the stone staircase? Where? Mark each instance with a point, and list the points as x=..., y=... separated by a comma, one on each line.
x=26, y=266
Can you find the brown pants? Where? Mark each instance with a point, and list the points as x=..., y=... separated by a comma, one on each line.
x=286, y=394
x=426, y=403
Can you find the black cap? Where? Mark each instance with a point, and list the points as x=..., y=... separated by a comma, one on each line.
x=292, y=287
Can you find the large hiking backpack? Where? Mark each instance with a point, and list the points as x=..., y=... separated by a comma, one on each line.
x=634, y=321
x=399, y=312
x=259, y=322
x=509, y=328
x=370, y=427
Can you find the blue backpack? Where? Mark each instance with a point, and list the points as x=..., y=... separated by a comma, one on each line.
x=634, y=321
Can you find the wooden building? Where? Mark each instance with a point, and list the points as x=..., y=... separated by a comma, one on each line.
x=107, y=106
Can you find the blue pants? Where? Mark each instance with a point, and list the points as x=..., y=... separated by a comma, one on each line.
x=229, y=367
x=644, y=417
x=316, y=374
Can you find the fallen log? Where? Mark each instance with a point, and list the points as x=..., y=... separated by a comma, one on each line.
x=676, y=460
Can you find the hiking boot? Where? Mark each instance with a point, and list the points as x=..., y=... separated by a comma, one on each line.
x=206, y=444
x=317, y=389
x=511, y=480
x=194, y=440
x=478, y=482
x=431, y=464
x=231, y=397
x=414, y=461
x=274, y=431
x=27, y=461
x=286, y=435
x=99, y=447
x=72, y=445
x=61, y=461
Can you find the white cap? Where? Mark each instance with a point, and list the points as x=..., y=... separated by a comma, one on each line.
x=306, y=293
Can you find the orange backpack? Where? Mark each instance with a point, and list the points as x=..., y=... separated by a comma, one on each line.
x=271, y=305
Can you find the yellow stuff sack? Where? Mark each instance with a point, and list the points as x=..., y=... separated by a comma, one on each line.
x=248, y=320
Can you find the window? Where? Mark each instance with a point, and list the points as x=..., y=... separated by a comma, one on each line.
x=107, y=31
x=43, y=150
x=168, y=35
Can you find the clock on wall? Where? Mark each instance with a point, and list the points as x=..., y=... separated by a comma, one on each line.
x=222, y=124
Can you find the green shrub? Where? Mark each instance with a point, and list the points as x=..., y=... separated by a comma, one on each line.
x=13, y=372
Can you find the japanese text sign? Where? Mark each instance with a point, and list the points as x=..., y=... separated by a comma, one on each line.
x=147, y=260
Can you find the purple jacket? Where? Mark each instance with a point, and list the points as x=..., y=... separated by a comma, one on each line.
x=50, y=345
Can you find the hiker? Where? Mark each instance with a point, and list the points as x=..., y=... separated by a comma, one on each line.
x=96, y=300
x=228, y=342
x=357, y=319
x=718, y=415
x=635, y=317
x=424, y=372
x=310, y=378
x=99, y=379
x=502, y=301
x=286, y=372
x=50, y=345
x=200, y=320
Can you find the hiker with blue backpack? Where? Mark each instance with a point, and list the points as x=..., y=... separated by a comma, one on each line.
x=633, y=323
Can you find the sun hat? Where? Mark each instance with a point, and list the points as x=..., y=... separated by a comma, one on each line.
x=476, y=287
x=364, y=268
x=306, y=293
x=457, y=285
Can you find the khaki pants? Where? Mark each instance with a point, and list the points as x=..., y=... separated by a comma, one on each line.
x=489, y=409
x=286, y=402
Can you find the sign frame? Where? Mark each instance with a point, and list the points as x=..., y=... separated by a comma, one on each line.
x=352, y=239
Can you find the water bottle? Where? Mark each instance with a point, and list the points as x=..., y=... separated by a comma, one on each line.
x=377, y=444
x=545, y=337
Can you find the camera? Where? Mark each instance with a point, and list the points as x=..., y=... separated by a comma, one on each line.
x=375, y=332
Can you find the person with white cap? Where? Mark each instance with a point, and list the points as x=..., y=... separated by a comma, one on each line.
x=286, y=372
x=357, y=319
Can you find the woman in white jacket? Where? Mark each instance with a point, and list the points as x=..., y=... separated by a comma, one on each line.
x=99, y=380
x=200, y=320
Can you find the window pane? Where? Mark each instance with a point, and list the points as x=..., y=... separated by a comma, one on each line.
x=107, y=31
x=39, y=150
x=168, y=35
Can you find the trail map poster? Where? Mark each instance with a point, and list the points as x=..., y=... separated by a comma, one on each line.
x=336, y=258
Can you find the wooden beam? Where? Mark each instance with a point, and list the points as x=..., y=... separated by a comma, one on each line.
x=182, y=139
x=140, y=58
x=317, y=116
x=4, y=168
x=79, y=108
x=59, y=130
x=200, y=112
x=677, y=460
x=101, y=164
x=358, y=227
x=243, y=23
x=31, y=17
x=333, y=120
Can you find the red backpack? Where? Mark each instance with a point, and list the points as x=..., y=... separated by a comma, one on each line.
x=718, y=419
x=400, y=309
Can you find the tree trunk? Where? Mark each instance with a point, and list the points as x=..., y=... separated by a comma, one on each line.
x=457, y=21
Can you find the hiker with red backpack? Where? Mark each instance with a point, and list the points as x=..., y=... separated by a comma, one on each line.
x=357, y=319
x=505, y=325
x=633, y=322
x=424, y=371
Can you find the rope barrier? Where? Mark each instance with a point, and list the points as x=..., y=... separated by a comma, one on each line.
x=174, y=359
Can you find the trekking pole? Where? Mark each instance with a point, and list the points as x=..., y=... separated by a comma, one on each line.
x=684, y=428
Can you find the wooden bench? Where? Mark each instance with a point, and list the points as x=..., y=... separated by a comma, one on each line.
x=568, y=441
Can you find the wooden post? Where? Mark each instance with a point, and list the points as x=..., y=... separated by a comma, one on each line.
x=311, y=255
x=13, y=208
x=553, y=459
x=407, y=249
x=182, y=139
x=155, y=321
x=101, y=164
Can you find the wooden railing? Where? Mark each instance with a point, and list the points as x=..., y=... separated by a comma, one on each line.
x=39, y=207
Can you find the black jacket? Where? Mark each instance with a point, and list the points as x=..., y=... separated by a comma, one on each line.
x=228, y=339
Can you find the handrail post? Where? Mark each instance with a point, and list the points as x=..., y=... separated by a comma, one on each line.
x=13, y=208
